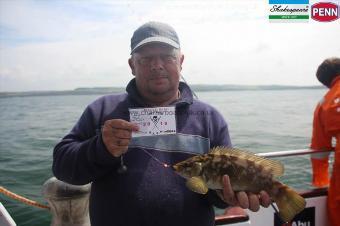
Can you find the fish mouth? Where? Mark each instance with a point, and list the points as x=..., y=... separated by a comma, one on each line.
x=175, y=167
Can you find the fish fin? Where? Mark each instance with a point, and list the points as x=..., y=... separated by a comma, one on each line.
x=196, y=184
x=276, y=168
x=288, y=201
x=215, y=150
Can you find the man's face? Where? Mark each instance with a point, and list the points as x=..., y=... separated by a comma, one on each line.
x=157, y=70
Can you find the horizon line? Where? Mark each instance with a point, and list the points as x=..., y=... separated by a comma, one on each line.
x=191, y=85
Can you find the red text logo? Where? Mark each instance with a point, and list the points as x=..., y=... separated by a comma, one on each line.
x=325, y=11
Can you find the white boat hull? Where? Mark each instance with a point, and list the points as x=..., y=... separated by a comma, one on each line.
x=5, y=218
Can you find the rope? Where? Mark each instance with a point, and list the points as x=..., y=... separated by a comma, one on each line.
x=22, y=199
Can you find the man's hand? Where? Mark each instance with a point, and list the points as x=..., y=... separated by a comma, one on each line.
x=116, y=134
x=246, y=201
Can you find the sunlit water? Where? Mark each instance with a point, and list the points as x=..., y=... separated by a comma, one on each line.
x=259, y=121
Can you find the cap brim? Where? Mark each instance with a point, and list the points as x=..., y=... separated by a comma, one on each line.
x=156, y=39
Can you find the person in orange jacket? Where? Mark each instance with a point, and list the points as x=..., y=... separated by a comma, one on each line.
x=326, y=128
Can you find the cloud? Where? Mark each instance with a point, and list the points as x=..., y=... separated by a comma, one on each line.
x=59, y=20
x=47, y=45
x=68, y=64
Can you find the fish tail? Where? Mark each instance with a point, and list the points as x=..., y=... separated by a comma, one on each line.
x=288, y=201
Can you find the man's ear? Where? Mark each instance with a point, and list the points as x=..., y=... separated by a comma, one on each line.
x=181, y=59
x=132, y=66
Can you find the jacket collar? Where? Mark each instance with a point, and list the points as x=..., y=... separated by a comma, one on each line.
x=335, y=80
x=186, y=97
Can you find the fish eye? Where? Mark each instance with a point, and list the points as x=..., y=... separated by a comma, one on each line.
x=198, y=165
x=197, y=168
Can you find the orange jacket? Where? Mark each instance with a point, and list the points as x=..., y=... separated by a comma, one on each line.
x=326, y=125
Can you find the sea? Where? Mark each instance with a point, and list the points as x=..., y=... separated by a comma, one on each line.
x=259, y=121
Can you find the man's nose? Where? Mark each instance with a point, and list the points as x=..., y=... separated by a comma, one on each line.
x=157, y=62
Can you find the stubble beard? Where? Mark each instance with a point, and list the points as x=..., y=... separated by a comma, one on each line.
x=164, y=95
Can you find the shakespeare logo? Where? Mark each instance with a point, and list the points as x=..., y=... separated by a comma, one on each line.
x=289, y=10
x=325, y=12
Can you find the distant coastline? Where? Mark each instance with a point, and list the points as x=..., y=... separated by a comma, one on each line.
x=196, y=88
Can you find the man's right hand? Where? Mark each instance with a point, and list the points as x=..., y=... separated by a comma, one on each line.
x=116, y=134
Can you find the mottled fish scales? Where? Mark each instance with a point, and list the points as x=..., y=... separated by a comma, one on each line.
x=247, y=172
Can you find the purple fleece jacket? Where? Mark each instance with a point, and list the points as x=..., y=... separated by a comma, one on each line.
x=147, y=193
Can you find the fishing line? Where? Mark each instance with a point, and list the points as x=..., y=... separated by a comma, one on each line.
x=123, y=168
x=156, y=159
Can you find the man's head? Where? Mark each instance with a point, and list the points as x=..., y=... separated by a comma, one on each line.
x=156, y=62
x=328, y=70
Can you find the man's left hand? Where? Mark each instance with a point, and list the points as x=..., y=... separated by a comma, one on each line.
x=245, y=200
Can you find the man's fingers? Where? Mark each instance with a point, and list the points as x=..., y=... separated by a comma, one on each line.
x=265, y=199
x=121, y=133
x=254, y=202
x=228, y=193
x=117, y=151
x=242, y=198
x=121, y=142
x=122, y=124
x=116, y=135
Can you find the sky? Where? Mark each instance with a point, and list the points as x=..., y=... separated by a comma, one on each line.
x=67, y=44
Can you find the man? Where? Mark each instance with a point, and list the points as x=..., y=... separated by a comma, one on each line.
x=131, y=184
x=326, y=125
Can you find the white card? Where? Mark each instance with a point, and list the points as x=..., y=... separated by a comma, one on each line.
x=153, y=121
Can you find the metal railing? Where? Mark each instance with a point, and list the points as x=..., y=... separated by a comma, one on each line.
x=290, y=153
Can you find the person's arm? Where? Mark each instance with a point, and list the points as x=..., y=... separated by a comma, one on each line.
x=81, y=156
x=321, y=141
x=320, y=177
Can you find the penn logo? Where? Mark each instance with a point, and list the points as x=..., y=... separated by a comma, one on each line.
x=325, y=11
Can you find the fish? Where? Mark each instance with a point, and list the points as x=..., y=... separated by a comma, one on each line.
x=247, y=172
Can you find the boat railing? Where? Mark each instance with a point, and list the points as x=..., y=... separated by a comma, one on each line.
x=290, y=153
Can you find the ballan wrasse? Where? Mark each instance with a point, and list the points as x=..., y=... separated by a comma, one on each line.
x=247, y=172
